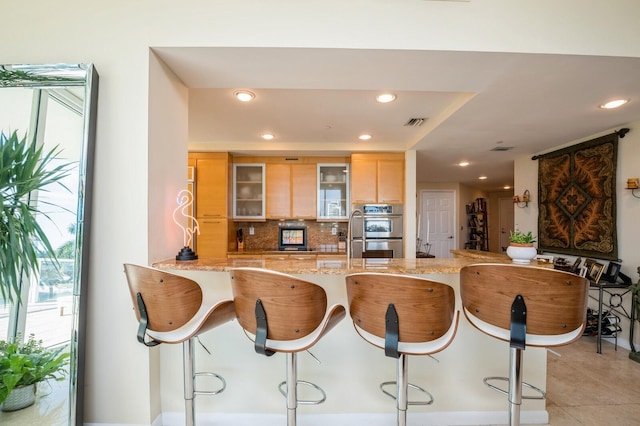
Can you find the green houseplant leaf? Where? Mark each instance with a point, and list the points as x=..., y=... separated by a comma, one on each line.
x=520, y=237
x=23, y=364
x=24, y=169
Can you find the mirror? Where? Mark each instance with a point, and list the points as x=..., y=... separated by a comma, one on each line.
x=55, y=105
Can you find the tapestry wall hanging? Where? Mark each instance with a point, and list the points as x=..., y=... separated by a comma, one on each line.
x=577, y=199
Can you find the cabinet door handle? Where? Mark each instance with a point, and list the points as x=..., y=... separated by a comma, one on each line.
x=211, y=221
x=212, y=215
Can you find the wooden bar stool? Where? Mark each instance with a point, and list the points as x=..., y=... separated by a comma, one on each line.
x=523, y=305
x=174, y=309
x=282, y=313
x=404, y=316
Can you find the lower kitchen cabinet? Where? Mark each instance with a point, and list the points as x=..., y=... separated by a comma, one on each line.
x=213, y=240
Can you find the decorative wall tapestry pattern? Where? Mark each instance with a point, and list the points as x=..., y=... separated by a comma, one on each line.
x=577, y=199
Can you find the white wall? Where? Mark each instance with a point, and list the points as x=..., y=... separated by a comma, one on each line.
x=116, y=37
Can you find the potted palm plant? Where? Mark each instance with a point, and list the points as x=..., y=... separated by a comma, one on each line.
x=521, y=249
x=23, y=366
x=25, y=169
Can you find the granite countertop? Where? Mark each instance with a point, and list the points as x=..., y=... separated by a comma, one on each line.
x=480, y=255
x=330, y=266
x=276, y=251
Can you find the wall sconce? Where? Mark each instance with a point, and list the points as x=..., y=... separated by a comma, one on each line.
x=185, y=200
x=526, y=197
x=632, y=184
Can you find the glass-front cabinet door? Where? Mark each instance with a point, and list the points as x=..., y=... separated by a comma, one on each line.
x=248, y=191
x=333, y=191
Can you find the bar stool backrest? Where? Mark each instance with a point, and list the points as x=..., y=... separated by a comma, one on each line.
x=426, y=309
x=170, y=300
x=294, y=307
x=556, y=301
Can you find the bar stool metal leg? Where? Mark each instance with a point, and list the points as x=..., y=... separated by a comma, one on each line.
x=292, y=388
x=515, y=386
x=402, y=389
x=188, y=375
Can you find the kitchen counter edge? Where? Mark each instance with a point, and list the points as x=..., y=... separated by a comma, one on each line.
x=330, y=266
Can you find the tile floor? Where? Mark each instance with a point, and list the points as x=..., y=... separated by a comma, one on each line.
x=591, y=389
x=583, y=388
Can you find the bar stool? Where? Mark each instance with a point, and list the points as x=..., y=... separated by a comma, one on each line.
x=403, y=315
x=523, y=305
x=282, y=313
x=174, y=309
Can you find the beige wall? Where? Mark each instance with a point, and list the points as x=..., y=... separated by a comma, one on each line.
x=140, y=140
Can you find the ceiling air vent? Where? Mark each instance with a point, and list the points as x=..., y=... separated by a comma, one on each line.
x=415, y=122
x=501, y=148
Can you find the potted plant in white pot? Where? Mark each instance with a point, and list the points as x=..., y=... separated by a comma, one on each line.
x=521, y=249
x=23, y=366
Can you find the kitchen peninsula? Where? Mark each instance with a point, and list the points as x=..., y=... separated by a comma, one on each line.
x=351, y=370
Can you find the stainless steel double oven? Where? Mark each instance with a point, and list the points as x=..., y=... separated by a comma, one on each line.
x=379, y=230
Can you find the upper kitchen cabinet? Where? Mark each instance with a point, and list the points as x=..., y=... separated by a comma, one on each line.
x=248, y=191
x=210, y=180
x=333, y=191
x=377, y=178
x=291, y=191
x=211, y=183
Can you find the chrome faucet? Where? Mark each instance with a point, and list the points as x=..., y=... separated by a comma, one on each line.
x=350, y=234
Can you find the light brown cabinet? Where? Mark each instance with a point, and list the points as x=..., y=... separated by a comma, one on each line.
x=291, y=191
x=211, y=185
x=377, y=178
x=213, y=239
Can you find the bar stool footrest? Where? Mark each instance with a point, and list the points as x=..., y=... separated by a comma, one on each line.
x=429, y=401
x=212, y=392
x=305, y=401
x=542, y=393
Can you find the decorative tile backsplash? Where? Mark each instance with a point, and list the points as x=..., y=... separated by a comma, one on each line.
x=265, y=236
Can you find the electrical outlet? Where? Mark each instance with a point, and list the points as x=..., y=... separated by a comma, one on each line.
x=334, y=231
x=252, y=230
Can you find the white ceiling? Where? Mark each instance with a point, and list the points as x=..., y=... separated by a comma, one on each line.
x=319, y=101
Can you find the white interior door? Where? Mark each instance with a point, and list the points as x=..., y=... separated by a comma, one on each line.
x=436, y=228
x=506, y=222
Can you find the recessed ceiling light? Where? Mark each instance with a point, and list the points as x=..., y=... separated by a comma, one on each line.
x=364, y=137
x=267, y=136
x=463, y=163
x=614, y=104
x=244, y=95
x=386, y=97
x=482, y=177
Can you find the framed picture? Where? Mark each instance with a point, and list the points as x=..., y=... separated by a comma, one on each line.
x=576, y=264
x=582, y=271
x=611, y=275
x=596, y=272
x=589, y=263
x=544, y=258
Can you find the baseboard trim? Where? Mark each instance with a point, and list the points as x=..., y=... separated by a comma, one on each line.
x=467, y=418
